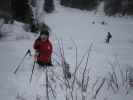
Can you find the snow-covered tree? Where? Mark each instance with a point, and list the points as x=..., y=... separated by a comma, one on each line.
x=112, y=7
x=49, y=6
x=81, y=4
x=21, y=10
x=127, y=7
x=5, y=10
x=123, y=7
x=33, y=2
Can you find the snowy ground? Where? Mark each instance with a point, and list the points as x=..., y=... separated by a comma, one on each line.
x=67, y=25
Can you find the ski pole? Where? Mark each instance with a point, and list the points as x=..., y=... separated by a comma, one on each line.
x=47, y=84
x=17, y=68
x=32, y=72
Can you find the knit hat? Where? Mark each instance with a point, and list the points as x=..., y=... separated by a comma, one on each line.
x=45, y=32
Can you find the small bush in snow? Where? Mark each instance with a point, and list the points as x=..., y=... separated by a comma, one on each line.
x=130, y=76
x=37, y=27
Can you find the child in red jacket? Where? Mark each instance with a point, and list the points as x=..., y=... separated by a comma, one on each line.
x=43, y=49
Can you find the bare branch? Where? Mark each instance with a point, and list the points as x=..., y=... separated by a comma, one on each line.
x=101, y=85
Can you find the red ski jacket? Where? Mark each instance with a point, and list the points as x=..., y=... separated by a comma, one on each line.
x=44, y=50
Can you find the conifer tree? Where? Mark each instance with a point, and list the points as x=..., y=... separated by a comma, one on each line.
x=49, y=6
x=21, y=10
x=81, y=4
x=112, y=7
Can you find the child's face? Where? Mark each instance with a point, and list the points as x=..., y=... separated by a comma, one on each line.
x=44, y=37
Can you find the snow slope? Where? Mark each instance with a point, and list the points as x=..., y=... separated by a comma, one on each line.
x=67, y=25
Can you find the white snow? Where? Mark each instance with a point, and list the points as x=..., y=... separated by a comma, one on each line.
x=67, y=25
